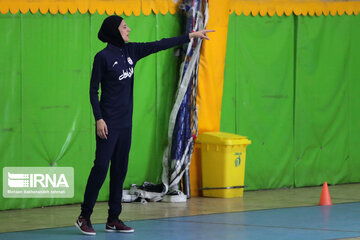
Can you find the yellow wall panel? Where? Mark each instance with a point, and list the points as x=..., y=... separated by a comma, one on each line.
x=129, y=7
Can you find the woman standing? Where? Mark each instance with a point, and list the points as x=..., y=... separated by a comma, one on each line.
x=114, y=68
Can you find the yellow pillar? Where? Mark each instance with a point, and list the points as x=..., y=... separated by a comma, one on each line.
x=210, y=82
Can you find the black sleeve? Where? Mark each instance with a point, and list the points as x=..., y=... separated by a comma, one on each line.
x=144, y=49
x=96, y=76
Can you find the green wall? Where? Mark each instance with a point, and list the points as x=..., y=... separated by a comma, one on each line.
x=45, y=114
x=292, y=86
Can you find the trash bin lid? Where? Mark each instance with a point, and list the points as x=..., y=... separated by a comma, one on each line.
x=222, y=138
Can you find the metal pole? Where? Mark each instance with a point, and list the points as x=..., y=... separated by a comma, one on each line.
x=186, y=184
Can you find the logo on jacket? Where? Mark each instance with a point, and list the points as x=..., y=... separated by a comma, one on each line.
x=130, y=61
x=115, y=63
x=126, y=74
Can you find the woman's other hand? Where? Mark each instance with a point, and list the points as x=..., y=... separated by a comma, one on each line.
x=200, y=34
x=101, y=129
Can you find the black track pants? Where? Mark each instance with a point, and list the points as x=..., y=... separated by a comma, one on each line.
x=116, y=147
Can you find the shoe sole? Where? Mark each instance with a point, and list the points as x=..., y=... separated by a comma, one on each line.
x=86, y=233
x=122, y=231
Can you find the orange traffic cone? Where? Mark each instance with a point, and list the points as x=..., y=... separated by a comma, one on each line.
x=325, y=199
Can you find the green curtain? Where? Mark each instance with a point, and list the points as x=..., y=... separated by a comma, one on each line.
x=258, y=96
x=326, y=103
x=291, y=86
x=45, y=113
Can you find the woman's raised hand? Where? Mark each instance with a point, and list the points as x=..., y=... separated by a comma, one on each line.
x=200, y=34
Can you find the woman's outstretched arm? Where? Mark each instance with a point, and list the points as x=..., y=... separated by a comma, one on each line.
x=141, y=50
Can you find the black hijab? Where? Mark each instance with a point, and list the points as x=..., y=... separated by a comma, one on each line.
x=109, y=31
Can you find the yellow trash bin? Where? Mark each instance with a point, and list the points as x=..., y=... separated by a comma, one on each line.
x=223, y=158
